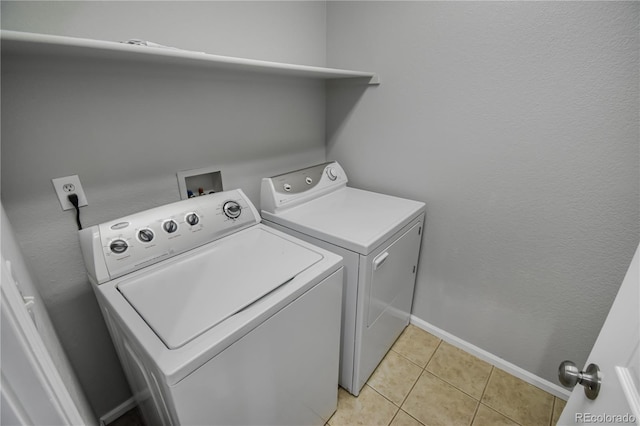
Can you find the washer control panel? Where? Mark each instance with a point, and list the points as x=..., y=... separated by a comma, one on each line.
x=291, y=188
x=115, y=248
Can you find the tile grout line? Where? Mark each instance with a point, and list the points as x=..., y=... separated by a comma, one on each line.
x=403, y=356
x=530, y=386
x=403, y=400
x=494, y=368
x=486, y=385
x=410, y=416
x=394, y=417
x=484, y=389
x=399, y=407
x=479, y=400
x=475, y=413
x=392, y=403
x=415, y=363
x=457, y=387
x=423, y=369
x=553, y=409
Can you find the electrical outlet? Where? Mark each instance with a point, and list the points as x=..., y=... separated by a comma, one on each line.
x=66, y=186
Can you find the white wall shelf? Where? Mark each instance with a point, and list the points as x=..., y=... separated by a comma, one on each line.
x=22, y=42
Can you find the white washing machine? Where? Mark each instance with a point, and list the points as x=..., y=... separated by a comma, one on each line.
x=216, y=318
x=379, y=238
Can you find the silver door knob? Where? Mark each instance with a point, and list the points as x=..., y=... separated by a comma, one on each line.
x=569, y=376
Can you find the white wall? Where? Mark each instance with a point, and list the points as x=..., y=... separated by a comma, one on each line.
x=127, y=128
x=517, y=124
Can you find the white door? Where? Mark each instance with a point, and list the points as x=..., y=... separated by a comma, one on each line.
x=616, y=352
x=32, y=390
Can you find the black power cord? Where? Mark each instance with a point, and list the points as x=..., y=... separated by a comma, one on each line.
x=73, y=198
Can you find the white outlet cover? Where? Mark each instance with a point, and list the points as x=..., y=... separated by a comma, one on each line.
x=63, y=196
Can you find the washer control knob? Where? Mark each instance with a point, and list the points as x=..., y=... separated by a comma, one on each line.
x=332, y=174
x=118, y=246
x=287, y=187
x=145, y=235
x=232, y=209
x=192, y=219
x=170, y=226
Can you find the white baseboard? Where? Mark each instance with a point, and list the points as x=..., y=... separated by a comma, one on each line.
x=492, y=359
x=115, y=413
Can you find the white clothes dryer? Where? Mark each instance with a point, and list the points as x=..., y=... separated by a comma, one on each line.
x=216, y=318
x=379, y=238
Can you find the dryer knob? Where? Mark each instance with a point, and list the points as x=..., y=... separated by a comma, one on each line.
x=170, y=226
x=332, y=174
x=118, y=246
x=232, y=209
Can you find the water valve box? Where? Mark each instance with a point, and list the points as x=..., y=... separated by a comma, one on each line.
x=199, y=182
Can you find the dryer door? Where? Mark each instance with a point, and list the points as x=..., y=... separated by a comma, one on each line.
x=387, y=285
x=393, y=276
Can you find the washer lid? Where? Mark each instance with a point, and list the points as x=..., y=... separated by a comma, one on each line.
x=187, y=296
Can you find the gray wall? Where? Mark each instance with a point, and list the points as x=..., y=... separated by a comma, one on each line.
x=127, y=128
x=517, y=124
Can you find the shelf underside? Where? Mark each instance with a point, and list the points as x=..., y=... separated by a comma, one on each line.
x=31, y=43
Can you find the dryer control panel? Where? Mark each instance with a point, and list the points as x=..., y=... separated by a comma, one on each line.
x=290, y=189
x=133, y=242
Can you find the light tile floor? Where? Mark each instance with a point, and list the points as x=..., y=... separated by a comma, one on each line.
x=425, y=381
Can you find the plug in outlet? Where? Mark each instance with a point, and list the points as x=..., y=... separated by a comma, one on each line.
x=66, y=186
